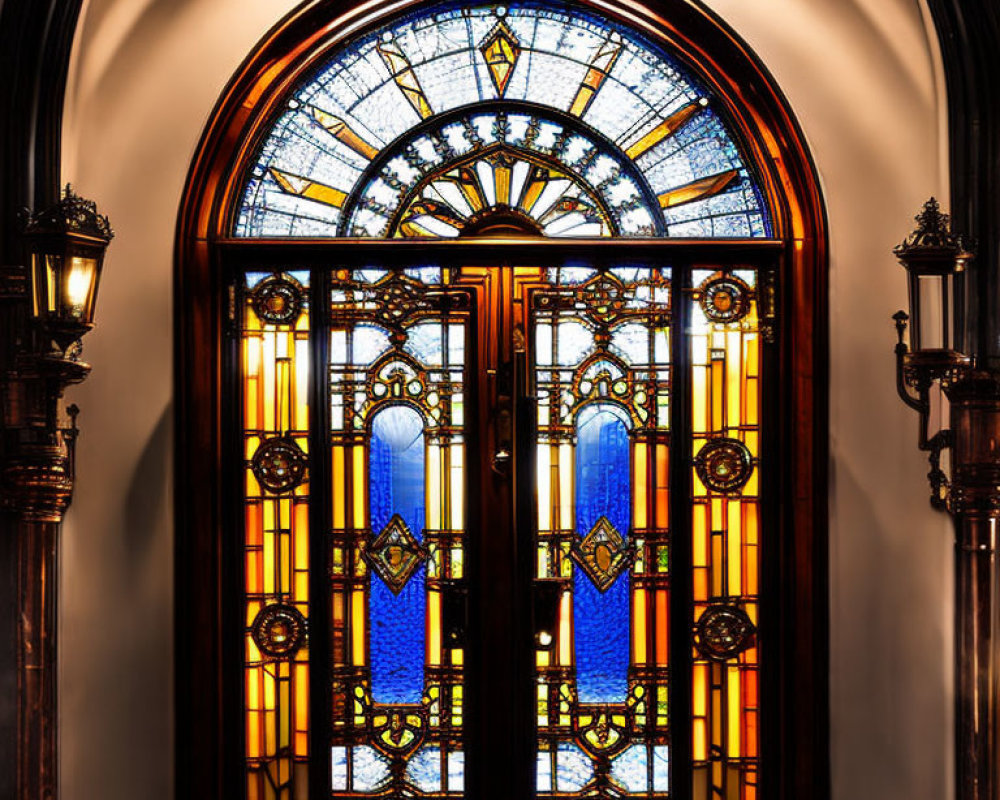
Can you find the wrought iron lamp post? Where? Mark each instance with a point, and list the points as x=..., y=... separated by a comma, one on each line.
x=933, y=256
x=47, y=307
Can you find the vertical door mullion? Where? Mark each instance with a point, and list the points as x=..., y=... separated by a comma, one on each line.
x=320, y=621
x=680, y=535
x=232, y=567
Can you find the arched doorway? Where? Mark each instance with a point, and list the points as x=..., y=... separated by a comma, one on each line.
x=263, y=242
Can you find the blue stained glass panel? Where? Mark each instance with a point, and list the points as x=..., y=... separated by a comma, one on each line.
x=601, y=620
x=396, y=486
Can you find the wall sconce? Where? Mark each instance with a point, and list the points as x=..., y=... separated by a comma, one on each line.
x=52, y=302
x=67, y=244
x=933, y=256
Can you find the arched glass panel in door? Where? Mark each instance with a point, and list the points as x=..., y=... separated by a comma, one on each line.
x=456, y=121
x=572, y=121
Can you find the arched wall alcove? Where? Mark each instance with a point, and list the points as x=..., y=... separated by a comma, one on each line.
x=144, y=81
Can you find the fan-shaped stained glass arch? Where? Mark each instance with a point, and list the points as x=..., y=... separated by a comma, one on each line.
x=546, y=112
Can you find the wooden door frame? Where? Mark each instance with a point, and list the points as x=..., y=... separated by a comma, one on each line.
x=796, y=731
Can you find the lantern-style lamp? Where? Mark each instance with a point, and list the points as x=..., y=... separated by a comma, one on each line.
x=932, y=256
x=67, y=244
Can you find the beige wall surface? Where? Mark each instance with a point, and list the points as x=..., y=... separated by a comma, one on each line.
x=863, y=79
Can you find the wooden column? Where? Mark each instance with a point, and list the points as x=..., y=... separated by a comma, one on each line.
x=975, y=504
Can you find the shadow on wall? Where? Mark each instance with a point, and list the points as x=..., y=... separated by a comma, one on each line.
x=879, y=627
x=147, y=496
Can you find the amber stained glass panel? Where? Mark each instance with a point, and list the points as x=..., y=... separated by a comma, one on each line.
x=275, y=415
x=725, y=351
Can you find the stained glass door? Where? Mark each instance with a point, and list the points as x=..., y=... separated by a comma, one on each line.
x=522, y=506
x=646, y=573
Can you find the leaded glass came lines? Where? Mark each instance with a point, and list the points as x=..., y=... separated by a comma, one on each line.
x=602, y=374
x=395, y=385
x=353, y=151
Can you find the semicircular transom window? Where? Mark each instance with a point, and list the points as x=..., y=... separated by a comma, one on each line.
x=553, y=118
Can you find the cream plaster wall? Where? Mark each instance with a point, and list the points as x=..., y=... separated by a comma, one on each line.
x=860, y=74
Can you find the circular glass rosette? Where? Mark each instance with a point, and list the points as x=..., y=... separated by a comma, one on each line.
x=724, y=465
x=279, y=464
x=279, y=630
x=277, y=300
x=725, y=299
x=723, y=632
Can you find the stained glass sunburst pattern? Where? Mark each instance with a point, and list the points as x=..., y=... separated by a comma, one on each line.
x=397, y=457
x=603, y=379
x=363, y=139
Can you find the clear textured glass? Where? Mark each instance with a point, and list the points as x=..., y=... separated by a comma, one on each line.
x=658, y=133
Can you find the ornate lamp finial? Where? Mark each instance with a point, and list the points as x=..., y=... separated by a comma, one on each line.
x=933, y=231
x=71, y=215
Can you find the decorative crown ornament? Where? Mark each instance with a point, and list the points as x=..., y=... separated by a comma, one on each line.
x=72, y=214
x=933, y=232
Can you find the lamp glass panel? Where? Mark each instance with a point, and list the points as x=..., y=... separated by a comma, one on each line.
x=46, y=268
x=931, y=296
x=79, y=285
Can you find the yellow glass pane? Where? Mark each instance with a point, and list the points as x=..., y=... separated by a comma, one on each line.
x=457, y=484
x=301, y=536
x=662, y=627
x=734, y=363
x=717, y=392
x=358, y=637
x=733, y=708
x=434, y=628
x=640, y=470
x=565, y=629
x=699, y=699
x=700, y=744
x=338, y=482
x=639, y=633
x=734, y=541
x=360, y=486
x=700, y=552
x=302, y=384
x=544, y=477
x=662, y=486
x=566, y=520
x=433, y=469
x=268, y=561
